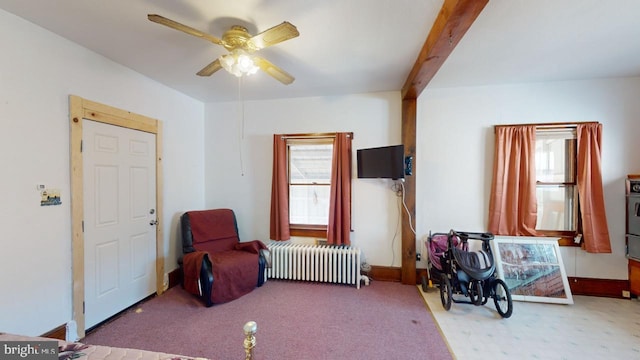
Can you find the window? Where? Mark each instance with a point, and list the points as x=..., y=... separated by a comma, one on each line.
x=309, y=177
x=556, y=189
x=539, y=170
x=311, y=187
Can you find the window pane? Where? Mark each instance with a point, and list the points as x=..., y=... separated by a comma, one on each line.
x=309, y=204
x=310, y=164
x=554, y=159
x=556, y=207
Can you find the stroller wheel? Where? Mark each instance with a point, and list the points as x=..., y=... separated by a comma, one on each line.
x=425, y=284
x=475, y=292
x=445, y=292
x=502, y=298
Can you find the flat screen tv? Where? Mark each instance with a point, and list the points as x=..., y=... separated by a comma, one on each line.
x=385, y=162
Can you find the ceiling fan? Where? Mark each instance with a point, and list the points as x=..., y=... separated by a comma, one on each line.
x=241, y=46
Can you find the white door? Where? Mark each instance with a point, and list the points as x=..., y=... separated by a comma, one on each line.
x=119, y=218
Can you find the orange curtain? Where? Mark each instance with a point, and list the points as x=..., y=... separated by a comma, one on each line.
x=339, y=227
x=513, y=205
x=590, y=191
x=279, y=229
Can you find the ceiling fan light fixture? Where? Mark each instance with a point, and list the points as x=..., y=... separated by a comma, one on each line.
x=238, y=62
x=241, y=46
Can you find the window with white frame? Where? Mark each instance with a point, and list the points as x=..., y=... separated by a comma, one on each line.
x=309, y=173
x=556, y=189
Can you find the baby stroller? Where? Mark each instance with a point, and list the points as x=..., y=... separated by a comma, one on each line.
x=464, y=272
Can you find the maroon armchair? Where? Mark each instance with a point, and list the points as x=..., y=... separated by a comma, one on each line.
x=216, y=266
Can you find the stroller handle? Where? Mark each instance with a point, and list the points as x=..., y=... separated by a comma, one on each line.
x=465, y=235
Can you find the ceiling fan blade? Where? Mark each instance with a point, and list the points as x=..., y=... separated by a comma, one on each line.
x=273, y=70
x=276, y=34
x=184, y=28
x=211, y=68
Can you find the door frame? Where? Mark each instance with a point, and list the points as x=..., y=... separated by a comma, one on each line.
x=79, y=110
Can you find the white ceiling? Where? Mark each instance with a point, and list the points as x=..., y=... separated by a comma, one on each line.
x=350, y=46
x=546, y=40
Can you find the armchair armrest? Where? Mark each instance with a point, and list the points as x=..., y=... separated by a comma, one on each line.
x=198, y=275
x=251, y=246
x=256, y=247
x=266, y=254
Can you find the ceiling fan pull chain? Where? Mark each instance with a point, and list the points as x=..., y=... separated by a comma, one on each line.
x=241, y=97
x=241, y=130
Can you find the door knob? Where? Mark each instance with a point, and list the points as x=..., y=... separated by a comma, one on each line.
x=153, y=222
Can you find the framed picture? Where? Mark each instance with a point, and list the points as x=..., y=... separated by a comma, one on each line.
x=532, y=268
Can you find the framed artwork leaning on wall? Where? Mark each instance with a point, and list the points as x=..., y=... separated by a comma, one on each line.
x=532, y=268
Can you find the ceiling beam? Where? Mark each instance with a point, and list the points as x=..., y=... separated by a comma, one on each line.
x=453, y=21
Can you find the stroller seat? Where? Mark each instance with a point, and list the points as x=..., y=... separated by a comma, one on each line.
x=438, y=246
x=477, y=264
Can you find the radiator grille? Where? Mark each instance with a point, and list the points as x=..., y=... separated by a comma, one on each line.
x=319, y=263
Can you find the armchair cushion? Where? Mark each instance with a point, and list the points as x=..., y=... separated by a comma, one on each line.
x=235, y=274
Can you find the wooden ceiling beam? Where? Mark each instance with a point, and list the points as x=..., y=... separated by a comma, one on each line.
x=453, y=21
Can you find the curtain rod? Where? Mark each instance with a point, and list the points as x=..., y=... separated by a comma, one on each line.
x=313, y=135
x=550, y=125
x=559, y=125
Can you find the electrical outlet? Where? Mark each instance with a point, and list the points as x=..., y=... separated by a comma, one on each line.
x=626, y=294
x=418, y=257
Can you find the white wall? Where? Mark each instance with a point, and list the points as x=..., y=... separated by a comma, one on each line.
x=455, y=153
x=244, y=184
x=38, y=72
